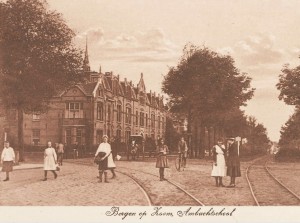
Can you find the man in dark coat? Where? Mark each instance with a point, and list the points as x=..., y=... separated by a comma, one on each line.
x=233, y=161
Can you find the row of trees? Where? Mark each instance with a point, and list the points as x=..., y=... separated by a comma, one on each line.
x=209, y=90
x=37, y=57
x=289, y=86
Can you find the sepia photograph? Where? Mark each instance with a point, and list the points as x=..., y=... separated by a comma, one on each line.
x=147, y=110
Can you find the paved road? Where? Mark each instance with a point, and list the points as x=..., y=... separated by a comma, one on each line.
x=77, y=185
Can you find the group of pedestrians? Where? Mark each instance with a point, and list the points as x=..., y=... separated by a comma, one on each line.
x=226, y=162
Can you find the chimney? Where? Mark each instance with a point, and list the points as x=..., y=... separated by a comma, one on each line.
x=118, y=77
x=142, y=75
x=131, y=83
x=125, y=80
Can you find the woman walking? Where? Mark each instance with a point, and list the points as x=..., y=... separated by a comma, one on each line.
x=50, y=161
x=7, y=159
x=162, y=160
x=106, y=161
x=219, y=164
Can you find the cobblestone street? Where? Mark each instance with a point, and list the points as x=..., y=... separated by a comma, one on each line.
x=77, y=185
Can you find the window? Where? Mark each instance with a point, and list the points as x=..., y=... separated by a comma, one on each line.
x=36, y=136
x=35, y=117
x=118, y=134
x=136, y=118
x=68, y=136
x=109, y=112
x=74, y=110
x=127, y=135
x=128, y=115
x=79, y=136
x=100, y=111
x=142, y=119
x=146, y=121
x=119, y=113
x=100, y=92
x=158, y=122
x=152, y=120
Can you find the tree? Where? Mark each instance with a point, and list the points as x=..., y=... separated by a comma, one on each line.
x=289, y=85
x=206, y=86
x=38, y=58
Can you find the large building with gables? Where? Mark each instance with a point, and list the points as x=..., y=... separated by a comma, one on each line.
x=103, y=105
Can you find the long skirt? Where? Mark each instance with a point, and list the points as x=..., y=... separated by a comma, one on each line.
x=162, y=161
x=7, y=166
x=233, y=171
x=220, y=169
x=233, y=166
x=103, y=164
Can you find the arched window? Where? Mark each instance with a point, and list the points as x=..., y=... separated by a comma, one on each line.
x=128, y=114
x=119, y=112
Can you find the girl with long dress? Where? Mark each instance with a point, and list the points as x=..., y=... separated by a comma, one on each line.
x=50, y=161
x=106, y=162
x=219, y=164
x=7, y=160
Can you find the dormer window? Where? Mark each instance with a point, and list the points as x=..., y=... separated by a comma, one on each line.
x=100, y=92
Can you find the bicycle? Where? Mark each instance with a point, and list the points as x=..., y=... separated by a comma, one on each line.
x=180, y=163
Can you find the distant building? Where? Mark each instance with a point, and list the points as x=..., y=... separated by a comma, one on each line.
x=102, y=105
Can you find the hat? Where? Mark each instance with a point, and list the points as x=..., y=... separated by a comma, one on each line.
x=104, y=136
x=231, y=139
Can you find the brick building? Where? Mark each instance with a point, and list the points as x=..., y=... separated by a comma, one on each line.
x=103, y=105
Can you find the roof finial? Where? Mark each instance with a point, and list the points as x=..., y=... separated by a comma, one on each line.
x=100, y=69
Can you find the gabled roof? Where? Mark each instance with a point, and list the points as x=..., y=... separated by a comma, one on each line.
x=88, y=88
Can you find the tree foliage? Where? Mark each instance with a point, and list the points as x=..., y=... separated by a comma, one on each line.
x=289, y=85
x=290, y=132
x=38, y=58
x=206, y=82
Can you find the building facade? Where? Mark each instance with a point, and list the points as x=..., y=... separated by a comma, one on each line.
x=103, y=105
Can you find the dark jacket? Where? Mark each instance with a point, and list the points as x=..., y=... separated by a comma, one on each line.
x=233, y=158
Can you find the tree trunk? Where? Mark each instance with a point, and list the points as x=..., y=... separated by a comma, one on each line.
x=20, y=135
x=189, y=128
x=209, y=140
x=202, y=142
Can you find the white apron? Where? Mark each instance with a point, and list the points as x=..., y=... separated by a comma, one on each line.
x=220, y=169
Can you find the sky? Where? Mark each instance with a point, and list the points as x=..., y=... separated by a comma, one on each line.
x=131, y=37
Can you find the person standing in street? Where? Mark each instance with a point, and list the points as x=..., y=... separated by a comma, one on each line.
x=162, y=160
x=50, y=161
x=233, y=162
x=183, y=150
x=219, y=164
x=106, y=162
x=7, y=159
x=60, y=153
